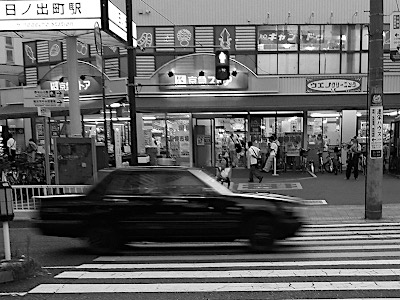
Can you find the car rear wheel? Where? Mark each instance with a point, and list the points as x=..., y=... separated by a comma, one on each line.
x=102, y=239
x=261, y=235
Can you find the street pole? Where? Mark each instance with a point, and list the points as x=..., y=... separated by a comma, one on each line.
x=373, y=189
x=131, y=83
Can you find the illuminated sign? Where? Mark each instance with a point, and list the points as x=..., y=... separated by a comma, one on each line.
x=194, y=82
x=88, y=86
x=29, y=15
x=333, y=85
x=49, y=15
x=376, y=134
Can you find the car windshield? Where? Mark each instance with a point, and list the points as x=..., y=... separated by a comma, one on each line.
x=210, y=181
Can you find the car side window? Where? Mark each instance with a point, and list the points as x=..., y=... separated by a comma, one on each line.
x=179, y=183
x=134, y=183
x=176, y=183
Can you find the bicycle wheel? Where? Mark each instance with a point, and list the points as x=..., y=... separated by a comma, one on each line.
x=328, y=166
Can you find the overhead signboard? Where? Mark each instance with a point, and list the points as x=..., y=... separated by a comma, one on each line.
x=43, y=98
x=395, y=36
x=115, y=21
x=376, y=132
x=333, y=85
x=50, y=15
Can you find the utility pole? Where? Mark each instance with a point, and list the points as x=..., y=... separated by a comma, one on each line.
x=131, y=82
x=373, y=189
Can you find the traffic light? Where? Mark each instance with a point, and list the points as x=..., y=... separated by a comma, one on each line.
x=222, y=64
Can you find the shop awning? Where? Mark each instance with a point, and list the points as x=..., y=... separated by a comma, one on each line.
x=15, y=111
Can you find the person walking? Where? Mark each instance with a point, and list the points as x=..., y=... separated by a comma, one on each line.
x=353, y=157
x=12, y=148
x=273, y=146
x=31, y=149
x=254, y=154
x=232, y=142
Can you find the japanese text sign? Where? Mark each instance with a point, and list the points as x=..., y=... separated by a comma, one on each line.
x=376, y=132
x=49, y=15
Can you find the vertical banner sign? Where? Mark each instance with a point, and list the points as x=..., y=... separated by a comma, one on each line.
x=395, y=36
x=376, y=135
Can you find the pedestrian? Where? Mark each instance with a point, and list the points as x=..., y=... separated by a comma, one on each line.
x=31, y=150
x=353, y=157
x=232, y=142
x=11, y=147
x=273, y=146
x=224, y=172
x=254, y=154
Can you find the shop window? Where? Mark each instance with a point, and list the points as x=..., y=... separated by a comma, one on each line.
x=169, y=134
x=267, y=64
x=287, y=37
x=309, y=63
x=310, y=37
x=287, y=63
x=351, y=38
x=267, y=38
x=330, y=37
x=329, y=63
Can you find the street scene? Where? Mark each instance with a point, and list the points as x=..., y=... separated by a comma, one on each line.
x=189, y=149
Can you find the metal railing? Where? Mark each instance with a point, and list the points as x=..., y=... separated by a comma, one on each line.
x=23, y=194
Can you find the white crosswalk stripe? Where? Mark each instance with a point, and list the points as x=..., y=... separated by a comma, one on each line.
x=343, y=261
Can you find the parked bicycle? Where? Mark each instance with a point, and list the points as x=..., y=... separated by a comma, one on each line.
x=306, y=164
x=320, y=161
x=330, y=165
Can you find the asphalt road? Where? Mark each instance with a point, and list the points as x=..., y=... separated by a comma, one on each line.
x=323, y=262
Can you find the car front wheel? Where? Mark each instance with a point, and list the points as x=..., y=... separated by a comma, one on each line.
x=261, y=235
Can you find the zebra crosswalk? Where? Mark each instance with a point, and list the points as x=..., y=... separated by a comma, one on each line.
x=339, y=261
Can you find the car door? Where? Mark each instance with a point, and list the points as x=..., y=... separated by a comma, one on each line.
x=195, y=211
x=133, y=199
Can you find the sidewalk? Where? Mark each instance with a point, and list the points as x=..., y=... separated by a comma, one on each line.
x=345, y=198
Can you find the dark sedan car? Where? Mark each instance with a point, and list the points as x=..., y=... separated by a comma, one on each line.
x=167, y=204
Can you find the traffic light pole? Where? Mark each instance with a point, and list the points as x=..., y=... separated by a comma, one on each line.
x=373, y=189
x=131, y=83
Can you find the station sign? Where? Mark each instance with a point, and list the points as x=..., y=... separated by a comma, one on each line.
x=43, y=98
x=376, y=132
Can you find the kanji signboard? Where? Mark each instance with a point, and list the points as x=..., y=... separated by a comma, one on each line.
x=376, y=132
x=46, y=15
x=44, y=98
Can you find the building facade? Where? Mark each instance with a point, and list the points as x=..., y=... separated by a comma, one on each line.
x=299, y=69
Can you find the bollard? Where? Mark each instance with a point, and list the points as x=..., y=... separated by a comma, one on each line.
x=275, y=174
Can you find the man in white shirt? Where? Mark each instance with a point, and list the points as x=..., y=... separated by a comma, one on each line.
x=254, y=154
x=12, y=148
